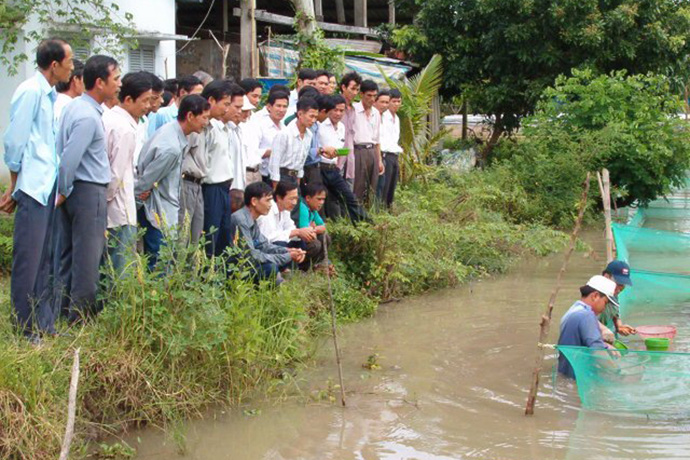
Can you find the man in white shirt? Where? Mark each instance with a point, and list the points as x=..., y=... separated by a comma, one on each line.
x=390, y=148
x=194, y=168
x=120, y=125
x=69, y=90
x=367, y=125
x=291, y=145
x=383, y=100
x=332, y=137
x=265, y=128
x=305, y=77
x=277, y=226
x=143, y=124
x=223, y=144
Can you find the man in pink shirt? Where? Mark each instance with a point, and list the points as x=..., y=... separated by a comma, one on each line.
x=349, y=87
x=367, y=128
x=120, y=125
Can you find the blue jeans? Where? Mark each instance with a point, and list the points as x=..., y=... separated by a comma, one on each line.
x=217, y=214
x=153, y=238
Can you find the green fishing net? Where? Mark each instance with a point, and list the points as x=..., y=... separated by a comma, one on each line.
x=631, y=381
x=652, y=249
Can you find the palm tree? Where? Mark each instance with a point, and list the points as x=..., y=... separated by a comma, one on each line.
x=416, y=137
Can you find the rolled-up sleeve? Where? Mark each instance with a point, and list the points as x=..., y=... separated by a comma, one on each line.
x=22, y=113
x=80, y=136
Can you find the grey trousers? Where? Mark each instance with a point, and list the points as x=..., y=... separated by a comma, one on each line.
x=192, y=208
x=366, y=175
x=82, y=220
x=32, y=268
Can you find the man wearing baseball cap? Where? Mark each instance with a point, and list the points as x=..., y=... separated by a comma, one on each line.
x=579, y=325
x=619, y=272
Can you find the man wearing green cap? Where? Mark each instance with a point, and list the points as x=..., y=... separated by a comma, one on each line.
x=619, y=272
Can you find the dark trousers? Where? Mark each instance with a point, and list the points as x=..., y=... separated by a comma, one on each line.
x=389, y=180
x=316, y=252
x=32, y=268
x=153, y=238
x=217, y=214
x=312, y=174
x=81, y=242
x=339, y=190
x=366, y=174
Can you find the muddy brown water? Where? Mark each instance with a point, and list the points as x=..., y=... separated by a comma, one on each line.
x=455, y=369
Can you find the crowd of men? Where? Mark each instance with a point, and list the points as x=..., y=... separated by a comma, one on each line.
x=97, y=158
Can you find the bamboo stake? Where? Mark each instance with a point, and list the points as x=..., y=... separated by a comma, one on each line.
x=71, y=408
x=546, y=317
x=606, y=197
x=333, y=322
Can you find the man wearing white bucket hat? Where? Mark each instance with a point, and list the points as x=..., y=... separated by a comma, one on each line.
x=579, y=325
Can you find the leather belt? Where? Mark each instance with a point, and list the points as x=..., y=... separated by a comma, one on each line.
x=289, y=172
x=252, y=170
x=196, y=180
x=329, y=167
x=364, y=146
x=226, y=183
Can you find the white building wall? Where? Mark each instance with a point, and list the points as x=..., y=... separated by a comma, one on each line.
x=150, y=16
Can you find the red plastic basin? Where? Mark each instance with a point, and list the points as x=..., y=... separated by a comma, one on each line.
x=649, y=332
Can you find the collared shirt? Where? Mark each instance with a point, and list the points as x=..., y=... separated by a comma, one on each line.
x=267, y=130
x=120, y=142
x=367, y=126
x=30, y=138
x=162, y=117
x=580, y=328
x=61, y=102
x=292, y=103
x=390, y=133
x=307, y=216
x=221, y=147
x=348, y=162
x=331, y=136
x=276, y=225
x=246, y=232
x=81, y=145
x=290, y=150
x=246, y=132
x=159, y=170
x=194, y=157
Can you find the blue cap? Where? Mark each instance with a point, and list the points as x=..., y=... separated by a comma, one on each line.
x=620, y=272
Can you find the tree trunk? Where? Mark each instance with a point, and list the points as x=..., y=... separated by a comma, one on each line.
x=493, y=140
x=306, y=24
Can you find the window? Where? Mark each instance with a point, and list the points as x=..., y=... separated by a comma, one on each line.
x=142, y=58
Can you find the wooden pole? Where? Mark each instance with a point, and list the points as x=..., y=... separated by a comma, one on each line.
x=546, y=317
x=318, y=10
x=340, y=11
x=391, y=12
x=247, y=36
x=605, y=189
x=71, y=408
x=333, y=322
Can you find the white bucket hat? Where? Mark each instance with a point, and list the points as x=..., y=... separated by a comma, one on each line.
x=248, y=105
x=605, y=286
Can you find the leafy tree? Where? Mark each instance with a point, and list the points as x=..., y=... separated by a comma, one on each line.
x=501, y=54
x=626, y=123
x=85, y=20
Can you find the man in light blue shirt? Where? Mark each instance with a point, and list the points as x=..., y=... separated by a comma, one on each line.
x=160, y=173
x=33, y=163
x=579, y=325
x=82, y=184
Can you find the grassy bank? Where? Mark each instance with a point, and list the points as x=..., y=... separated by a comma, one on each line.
x=167, y=345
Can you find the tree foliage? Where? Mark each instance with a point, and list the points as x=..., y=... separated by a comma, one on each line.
x=626, y=123
x=501, y=54
x=99, y=23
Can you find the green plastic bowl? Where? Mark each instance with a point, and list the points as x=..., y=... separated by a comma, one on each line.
x=620, y=345
x=342, y=152
x=657, y=344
